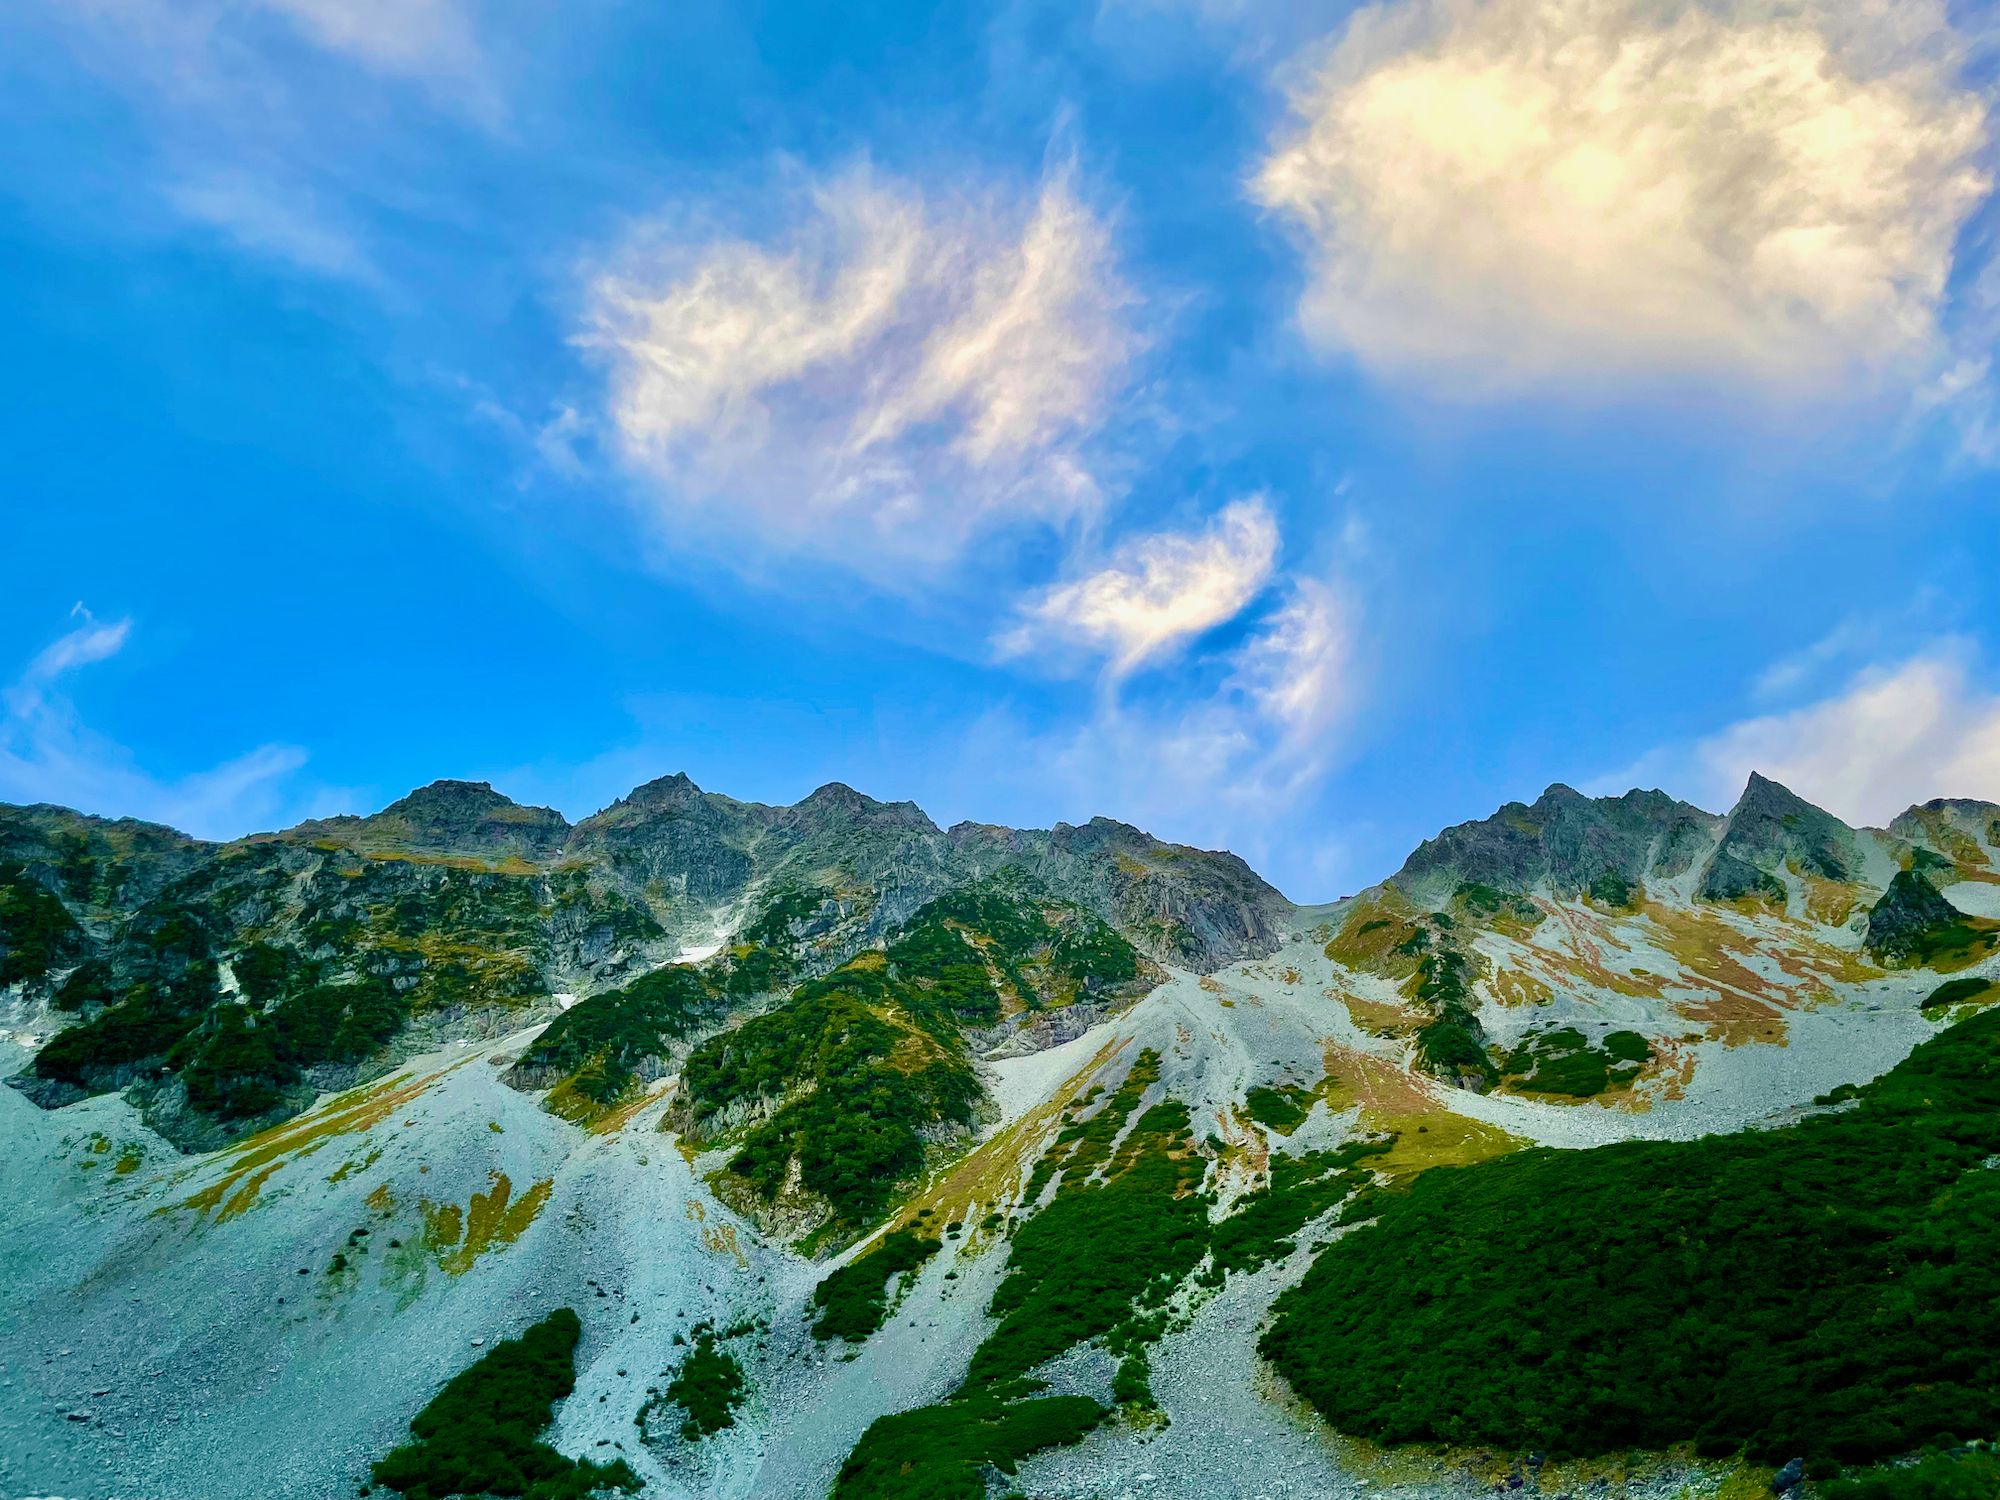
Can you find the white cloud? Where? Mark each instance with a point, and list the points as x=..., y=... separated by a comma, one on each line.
x=1223, y=768
x=256, y=216
x=89, y=642
x=48, y=755
x=1295, y=671
x=1157, y=593
x=420, y=38
x=893, y=371
x=1499, y=194
x=1891, y=736
x=262, y=120
x=201, y=48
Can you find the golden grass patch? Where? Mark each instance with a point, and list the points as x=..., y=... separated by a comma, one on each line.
x=457, y=1238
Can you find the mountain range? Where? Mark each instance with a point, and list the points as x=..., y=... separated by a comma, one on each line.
x=709, y=1148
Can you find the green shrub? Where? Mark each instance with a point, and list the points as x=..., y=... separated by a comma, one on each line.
x=1282, y=1110
x=140, y=1030
x=37, y=932
x=481, y=1435
x=1452, y=1045
x=1105, y=1248
x=241, y=1064
x=1612, y=889
x=708, y=1386
x=613, y=1034
x=854, y=1300
x=1483, y=902
x=942, y=1452
x=90, y=985
x=1301, y=1189
x=1937, y=1476
x=1955, y=992
x=860, y=1103
x=1827, y=1289
x=1563, y=1061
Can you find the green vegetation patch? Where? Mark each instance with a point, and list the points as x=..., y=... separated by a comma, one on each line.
x=1282, y=1110
x=600, y=1044
x=1827, y=1289
x=1452, y=1044
x=1126, y=1225
x=1493, y=907
x=861, y=1088
x=130, y=1035
x=241, y=1063
x=942, y=1452
x=1105, y=1250
x=854, y=1300
x=1956, y=992
x=975, y=953
x=708, y=1387
x=481, y=1435
x=37, y=932
x=1613, y=890
x=1301, y=1189
x=852, y=1078
x=1084, y=1143
x=1564, y=1061
x=1968, y=1474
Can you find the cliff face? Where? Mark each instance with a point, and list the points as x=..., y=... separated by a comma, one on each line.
x=225, y=981
x=1563, y=843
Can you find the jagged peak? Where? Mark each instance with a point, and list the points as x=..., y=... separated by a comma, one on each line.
x=837, y=797
x=1772, y=827
x=675, y=790
x=456, y=795
x=1763, y=796
x=1565, y=840
x=1761, y=791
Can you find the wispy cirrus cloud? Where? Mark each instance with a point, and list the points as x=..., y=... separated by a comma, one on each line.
x=47, y=754
x=258, y=118
x=1219, y=764
x=1210, y=747
x=1524, y=194
x=886, y=373
x=1157, y=592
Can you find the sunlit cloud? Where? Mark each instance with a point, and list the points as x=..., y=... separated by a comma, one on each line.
x=1521, y=194
x=887, y=374
x=1219, y=765
x=1157, y=593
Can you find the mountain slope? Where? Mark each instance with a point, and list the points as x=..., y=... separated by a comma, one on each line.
x=456, y=912
x=999, y=1096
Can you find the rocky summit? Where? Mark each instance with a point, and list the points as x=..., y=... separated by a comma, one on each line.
x=710, y=1148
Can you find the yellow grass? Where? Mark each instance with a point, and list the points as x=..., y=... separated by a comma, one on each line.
x=457, y=1238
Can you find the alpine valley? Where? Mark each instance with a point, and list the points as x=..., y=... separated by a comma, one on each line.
x=707, y=1148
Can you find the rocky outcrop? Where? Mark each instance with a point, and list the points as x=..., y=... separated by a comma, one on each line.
x=466, y=819
x=195, y=968
x=1909, y=916
x=1962, y=834
x=1772, y=829
x=1563, y=843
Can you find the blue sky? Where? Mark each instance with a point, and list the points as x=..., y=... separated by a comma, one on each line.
x=1292, y=428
